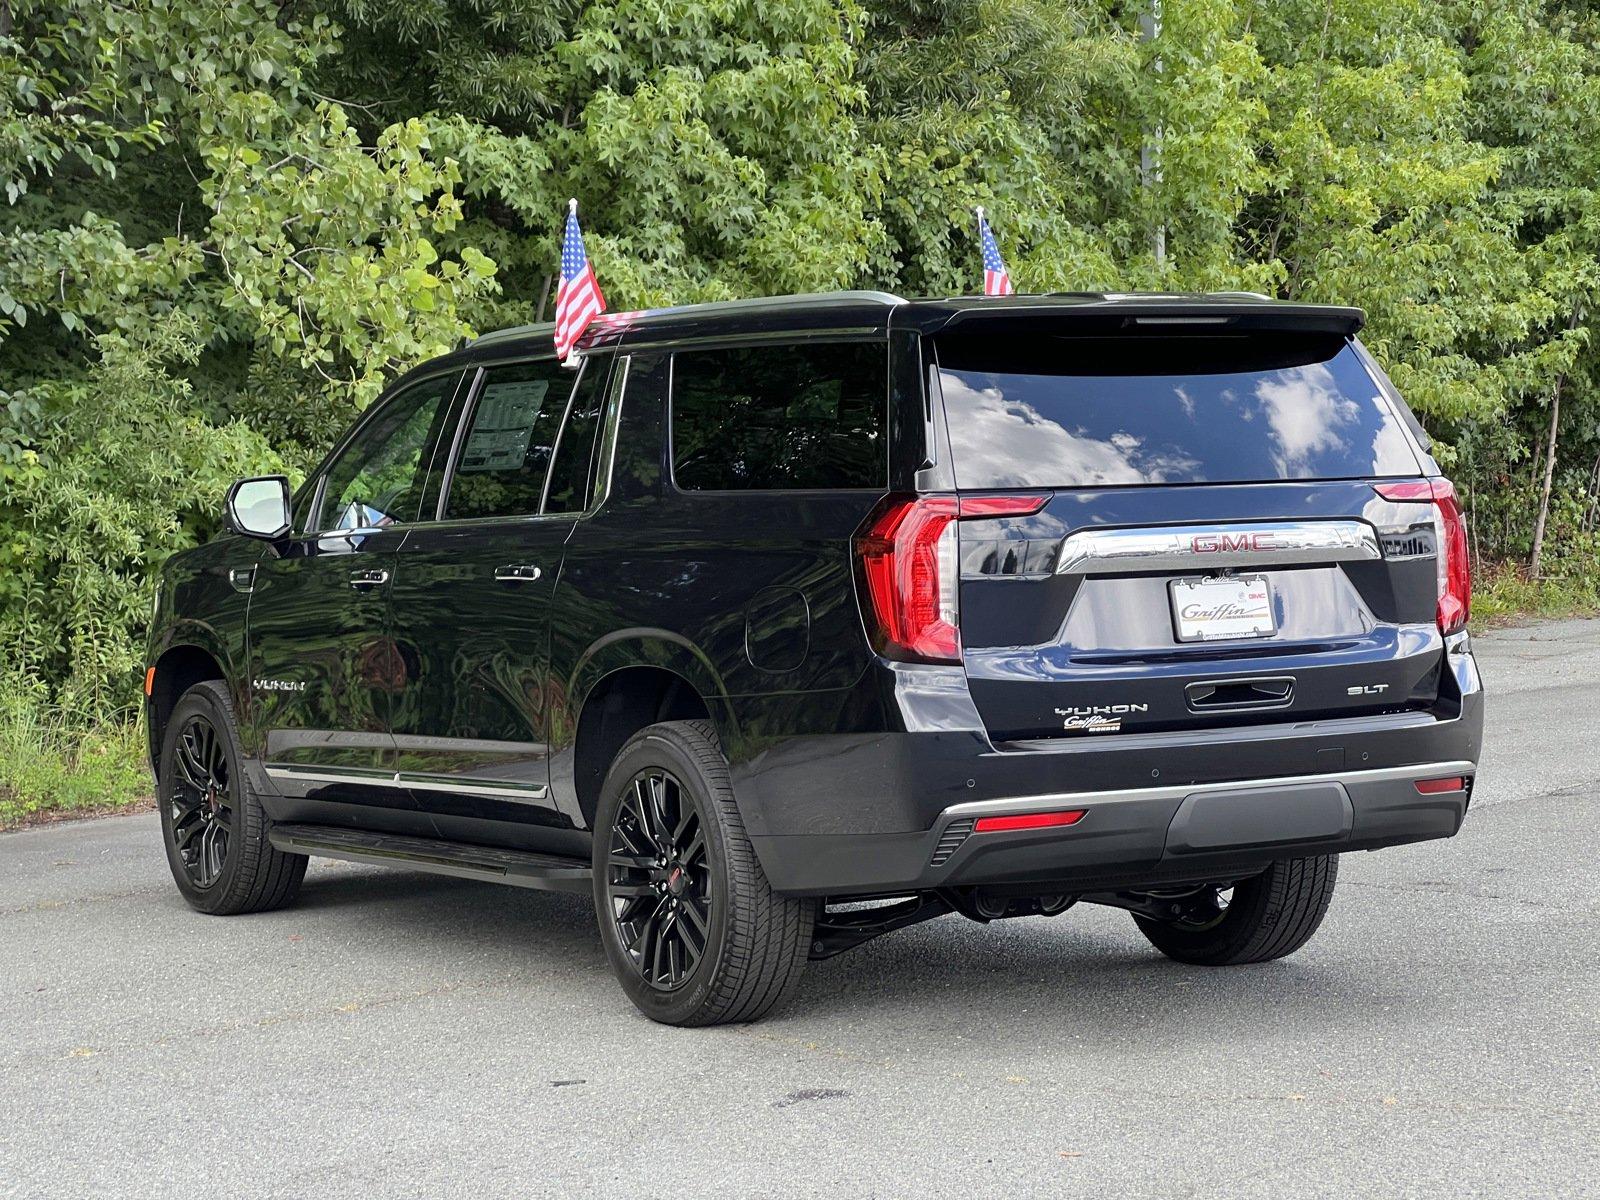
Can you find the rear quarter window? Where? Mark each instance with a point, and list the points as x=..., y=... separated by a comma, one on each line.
x=1116, y=411
x=764, y=418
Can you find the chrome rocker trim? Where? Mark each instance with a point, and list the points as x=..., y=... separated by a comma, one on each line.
x=415, y=781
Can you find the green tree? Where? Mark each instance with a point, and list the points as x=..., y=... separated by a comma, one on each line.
x=181, y=202
x=715, y=147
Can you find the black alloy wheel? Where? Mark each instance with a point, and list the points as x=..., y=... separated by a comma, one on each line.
x=659, y=884
x=201, y=802
x=690, y=925
x=213, y=826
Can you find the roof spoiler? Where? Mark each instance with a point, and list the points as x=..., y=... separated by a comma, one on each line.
x=1122, y=315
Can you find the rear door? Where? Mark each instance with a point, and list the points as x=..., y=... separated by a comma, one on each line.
x=472, y=597
x=1209, y=546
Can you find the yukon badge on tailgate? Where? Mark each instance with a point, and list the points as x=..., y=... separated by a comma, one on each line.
x=1098, y=718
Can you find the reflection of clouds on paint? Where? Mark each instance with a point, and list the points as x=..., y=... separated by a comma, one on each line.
x=1005, y=442
x=1307, y=414
x=1388, y=443
x=1186, y=400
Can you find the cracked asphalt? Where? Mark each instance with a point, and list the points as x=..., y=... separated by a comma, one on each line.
x=397, y=1034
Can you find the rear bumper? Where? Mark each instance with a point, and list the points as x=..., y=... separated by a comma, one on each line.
x=1133, y=837
x=869, y=814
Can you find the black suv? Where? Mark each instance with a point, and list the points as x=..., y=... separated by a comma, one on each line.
x=781, y=624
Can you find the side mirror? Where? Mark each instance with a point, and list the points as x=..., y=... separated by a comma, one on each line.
x=259, y=508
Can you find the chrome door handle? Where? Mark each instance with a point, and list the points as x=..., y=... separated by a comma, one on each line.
x=243, y=579
x=517, y=573
x=368, y=579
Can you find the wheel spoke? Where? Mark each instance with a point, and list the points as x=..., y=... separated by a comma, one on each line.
x=638, y=807
x=183, y=832
x=204, y=860
x=685, y=832
x=659, y=949
x=632, y=891
x=189, y=765
x=697, y=921
x=696, y=848
x=675, y=954
x=630, y=909
x=658, y=814
x=640, y=939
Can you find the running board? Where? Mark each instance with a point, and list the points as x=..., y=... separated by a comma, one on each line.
x=492, y=865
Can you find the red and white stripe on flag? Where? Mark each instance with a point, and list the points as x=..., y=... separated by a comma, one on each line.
x=578, y=301
x=996, y=279
x=578, y=298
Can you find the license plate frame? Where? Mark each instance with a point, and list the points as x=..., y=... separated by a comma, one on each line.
x=1207, y=601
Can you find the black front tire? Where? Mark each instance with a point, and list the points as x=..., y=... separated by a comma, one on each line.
x=1269, y=916
x=741, y=946
x=204, y=796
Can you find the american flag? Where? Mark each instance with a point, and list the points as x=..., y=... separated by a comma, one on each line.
x=996, y=279
x=578, y=299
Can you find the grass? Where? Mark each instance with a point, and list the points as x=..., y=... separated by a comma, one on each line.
x=53, y=764
x=1504, y=595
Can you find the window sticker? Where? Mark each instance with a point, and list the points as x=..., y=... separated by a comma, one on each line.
x=503, y=426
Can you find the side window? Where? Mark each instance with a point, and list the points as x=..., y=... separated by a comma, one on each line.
x=378, y=478
x=780, y=417
x=506, y=451
x=572, y=476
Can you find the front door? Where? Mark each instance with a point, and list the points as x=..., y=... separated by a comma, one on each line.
x=471, y=602
x=323, y=667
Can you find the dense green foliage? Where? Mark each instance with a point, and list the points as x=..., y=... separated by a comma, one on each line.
x=228, y=222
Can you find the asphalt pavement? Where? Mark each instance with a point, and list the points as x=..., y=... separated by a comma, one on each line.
x=398, y=1034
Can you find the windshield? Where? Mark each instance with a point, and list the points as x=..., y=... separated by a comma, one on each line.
x=1047, y=411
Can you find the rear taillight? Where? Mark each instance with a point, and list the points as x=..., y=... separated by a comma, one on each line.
x=908, y=566
x=1450, y=529
x=906, y=560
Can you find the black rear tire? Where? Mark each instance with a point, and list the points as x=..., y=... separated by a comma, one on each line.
x=212, y=822
x=691, y=927
x=1269, y=916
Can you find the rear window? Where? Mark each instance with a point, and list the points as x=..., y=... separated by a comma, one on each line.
x=780, y=417
x=1103, y=412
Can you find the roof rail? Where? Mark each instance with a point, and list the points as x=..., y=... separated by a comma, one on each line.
x=819, y=300
x=514, y=331
x=780, y=303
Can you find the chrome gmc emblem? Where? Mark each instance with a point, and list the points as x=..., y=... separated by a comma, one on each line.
x=1177, y=547
x=1229, y=543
